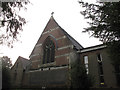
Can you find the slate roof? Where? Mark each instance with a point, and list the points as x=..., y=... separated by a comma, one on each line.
x=93, y=48
x=25, y=62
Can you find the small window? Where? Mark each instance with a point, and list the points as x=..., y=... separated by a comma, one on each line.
x=99, y=57
x=100, y=65
x=100, y=69
x=86, y=59
x=86, y=64
x=102, y=83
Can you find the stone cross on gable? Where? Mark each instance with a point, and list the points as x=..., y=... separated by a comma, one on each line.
x=52, y=13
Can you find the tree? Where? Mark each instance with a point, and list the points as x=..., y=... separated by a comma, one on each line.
x=6, y=65
x=11, y=22
x=114, y=52
x=79, y=78
x=6, y=62
x=104, y=20
x=105, y=25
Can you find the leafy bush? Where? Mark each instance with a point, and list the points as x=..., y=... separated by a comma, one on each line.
x=79, y=78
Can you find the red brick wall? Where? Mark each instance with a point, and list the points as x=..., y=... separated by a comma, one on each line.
x=51, y=24
x=56, y=33
x=63, y=51
x=59, y=42
x=62, y=60
x=108, y=69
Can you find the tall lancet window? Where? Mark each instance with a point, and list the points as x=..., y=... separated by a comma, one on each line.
x=49, y=51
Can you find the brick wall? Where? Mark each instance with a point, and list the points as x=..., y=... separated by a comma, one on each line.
x=64, y=52
x=63, y=46
x=108, y=69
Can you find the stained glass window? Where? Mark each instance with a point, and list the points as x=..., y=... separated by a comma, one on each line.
x=49, y=51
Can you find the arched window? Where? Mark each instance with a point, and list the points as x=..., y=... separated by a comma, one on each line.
x=49, y=51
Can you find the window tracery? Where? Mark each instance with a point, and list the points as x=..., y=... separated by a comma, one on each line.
x=49, y=51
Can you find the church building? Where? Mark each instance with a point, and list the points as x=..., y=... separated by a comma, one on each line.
x=50, y=61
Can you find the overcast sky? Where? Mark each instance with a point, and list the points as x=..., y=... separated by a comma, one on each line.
x=66, y=13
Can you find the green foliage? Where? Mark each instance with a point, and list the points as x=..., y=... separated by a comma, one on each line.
x=104, y=20
x=79, y=78
x=6, y=65
x=5, y=78
x=11, y=22
x=105, y=25
x=114, y=52
x=6, y=62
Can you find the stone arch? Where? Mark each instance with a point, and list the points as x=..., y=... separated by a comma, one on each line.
x=49, y=47
x=54, y=40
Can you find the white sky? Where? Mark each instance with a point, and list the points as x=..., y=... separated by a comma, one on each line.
x=66, y=13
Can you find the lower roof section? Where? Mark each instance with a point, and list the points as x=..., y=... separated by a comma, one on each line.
x=88, y=49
